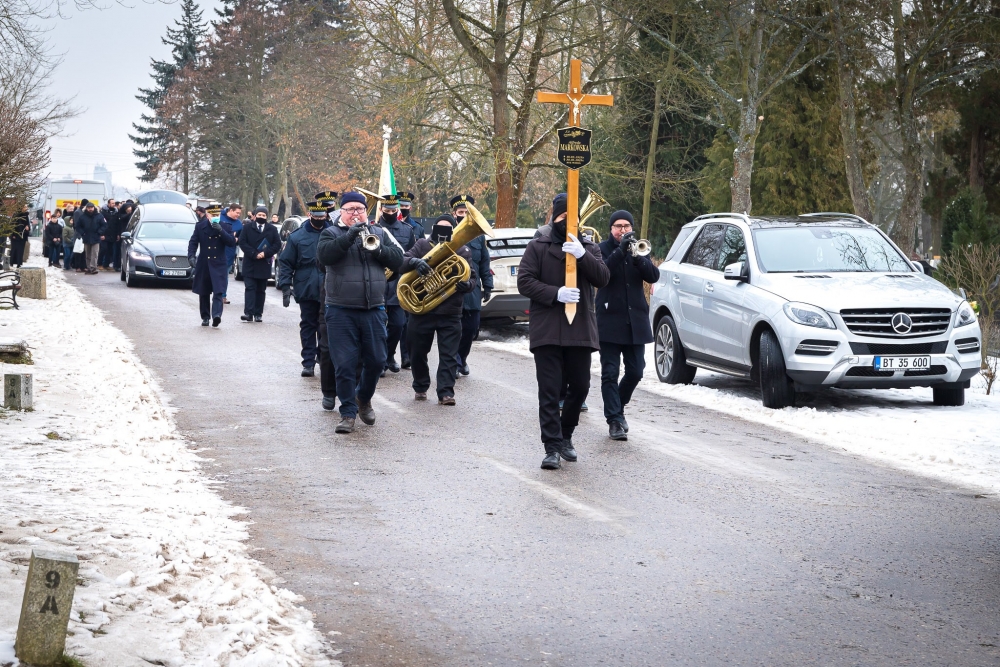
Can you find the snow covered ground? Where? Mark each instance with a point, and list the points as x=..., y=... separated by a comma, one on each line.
x=899, y=427
x=99, y=470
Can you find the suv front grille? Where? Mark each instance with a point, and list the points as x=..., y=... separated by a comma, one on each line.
x=933, y=370
x=937, y=347
x=866, y=372
x=171, y=262
x=878, y=321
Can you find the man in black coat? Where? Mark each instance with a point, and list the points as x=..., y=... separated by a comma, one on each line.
x=562, y=349
x=623, y=321
x=402, y=232
x=19, y=237
x=91, y=227
x=445, y=320
x=260, y=243
x=124, y=216
x=110, y=213
x=301, y=277
x=213, y=236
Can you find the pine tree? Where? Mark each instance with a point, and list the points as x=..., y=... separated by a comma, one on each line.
x=154, y=132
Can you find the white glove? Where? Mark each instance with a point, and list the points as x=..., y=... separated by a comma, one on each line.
x=573, y=247
x=568, y=294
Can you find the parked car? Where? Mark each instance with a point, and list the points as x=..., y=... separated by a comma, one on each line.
x=154, y=244
x=506, y=249
x=807, y=302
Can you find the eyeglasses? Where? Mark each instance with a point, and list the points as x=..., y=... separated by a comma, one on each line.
x=622, y=226
x=353, y=211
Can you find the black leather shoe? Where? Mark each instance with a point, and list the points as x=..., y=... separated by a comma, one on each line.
x=382, y=374
x=216, y=321
x=551, y=461
x=405, y=365
x=616, y=431
x=308, y=372
x=625, y=424
x=465, y=369
x=258, y=318
x=367, y=413
x=329, y=403
x=583, y=407
x=393, y=366
x=346, y=425
x=204, y=323
x=246, y=318
x=566, y=450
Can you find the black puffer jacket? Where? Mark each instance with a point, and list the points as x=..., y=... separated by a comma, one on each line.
x=355, y=278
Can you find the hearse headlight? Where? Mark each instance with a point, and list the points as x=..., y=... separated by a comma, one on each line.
x=964, y=315
x=810, y=316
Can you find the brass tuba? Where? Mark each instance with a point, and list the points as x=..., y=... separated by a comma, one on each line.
x=421, y=294
x=371, y=199
x=591, y=205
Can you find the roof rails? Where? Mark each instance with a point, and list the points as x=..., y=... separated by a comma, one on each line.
x=831, y=214
x=738, y=216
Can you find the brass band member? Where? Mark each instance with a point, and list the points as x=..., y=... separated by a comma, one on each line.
x=403, y=233
x=623, y=321
x=562, y=350
x=445, y=320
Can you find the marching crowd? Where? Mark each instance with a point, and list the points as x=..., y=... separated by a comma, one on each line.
x=86, y=239
x=343, y=271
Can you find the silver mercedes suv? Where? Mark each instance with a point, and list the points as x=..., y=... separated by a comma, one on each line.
x=805, y=302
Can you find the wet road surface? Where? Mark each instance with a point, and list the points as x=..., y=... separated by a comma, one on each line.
x=433, y=538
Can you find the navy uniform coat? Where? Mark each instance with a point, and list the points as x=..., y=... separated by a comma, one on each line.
x=483, y=280
x=250, y=240
x=211, y=273
x=622, y=311
x=299, y=269
x=402, y=231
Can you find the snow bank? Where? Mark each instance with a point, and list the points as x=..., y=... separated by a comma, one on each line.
x=99, y=470
x=899, y=427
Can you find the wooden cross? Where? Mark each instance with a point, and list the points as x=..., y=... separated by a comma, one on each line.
x=576, y=99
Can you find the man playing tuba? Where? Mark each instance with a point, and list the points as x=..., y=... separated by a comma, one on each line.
x=445, y=319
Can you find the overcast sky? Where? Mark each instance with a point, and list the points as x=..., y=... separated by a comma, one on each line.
x=106, y=55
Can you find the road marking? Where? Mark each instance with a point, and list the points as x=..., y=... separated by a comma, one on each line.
x=567, y=501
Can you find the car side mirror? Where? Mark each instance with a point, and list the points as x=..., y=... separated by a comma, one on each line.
x=737, y=271
x=125, y=236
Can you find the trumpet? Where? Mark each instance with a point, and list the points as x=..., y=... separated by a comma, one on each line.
x=639, y=248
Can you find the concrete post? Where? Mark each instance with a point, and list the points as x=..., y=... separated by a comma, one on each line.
x=32, y=283
x=48, y=599
x=18, y=391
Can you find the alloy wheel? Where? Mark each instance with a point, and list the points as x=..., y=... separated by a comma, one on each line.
x=664, y=349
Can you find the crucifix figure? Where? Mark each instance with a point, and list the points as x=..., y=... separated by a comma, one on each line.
x=576, y=99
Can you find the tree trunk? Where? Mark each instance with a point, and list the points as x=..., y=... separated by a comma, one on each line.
x=905, y=233
x=647, y=190
x=739, y=184
x=848, y=119
x=295, y=183
x=977, y=157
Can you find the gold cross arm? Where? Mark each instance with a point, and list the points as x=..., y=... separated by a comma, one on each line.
x=575, y=98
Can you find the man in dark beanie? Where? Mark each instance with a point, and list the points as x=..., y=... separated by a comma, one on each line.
x=260, y=242
x=445, y=320
x=623, y=320
x=355, y=305
x=561, y=349
x=91, y=227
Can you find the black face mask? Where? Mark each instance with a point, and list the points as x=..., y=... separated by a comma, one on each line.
x=317, y=223
x=459, y=218
x=261, y=221
x=388, y=217
x=404, y=213
x=559, y=231
x=441, y=233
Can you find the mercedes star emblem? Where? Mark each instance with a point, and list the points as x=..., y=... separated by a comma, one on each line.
x=173, y=259
x=901, y=323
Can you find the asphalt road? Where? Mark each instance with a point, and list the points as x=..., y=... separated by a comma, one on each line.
x=433, y=538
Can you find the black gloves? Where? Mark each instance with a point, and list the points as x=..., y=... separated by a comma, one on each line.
x=422, y=267
x=286, y=295
x=486, y=295
x=193, y=260
x=355, y=231
x=463, y=286
x=627, y=238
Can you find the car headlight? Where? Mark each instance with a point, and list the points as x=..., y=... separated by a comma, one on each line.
x=964, y=315
x=811, y=316
x=138, y=254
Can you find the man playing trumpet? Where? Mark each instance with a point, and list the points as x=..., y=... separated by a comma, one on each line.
x=623, y=320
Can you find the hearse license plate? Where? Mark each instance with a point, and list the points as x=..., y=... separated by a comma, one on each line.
x=902, y=363
x=174, y=272
x=513, y=271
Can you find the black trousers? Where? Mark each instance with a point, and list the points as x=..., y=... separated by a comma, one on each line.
x=253, y=297
x=470, y=331
x=617, y=394
x=327, y=373
x=106, y=254
x=203, y=303
x=394, y=328
x=310, y=313
x=554, y=366
x=17, y=252
x=420, y=330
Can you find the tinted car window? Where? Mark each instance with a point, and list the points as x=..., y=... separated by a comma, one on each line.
x=825, y=249
x=734, y=248
x=705, y=250
x=513, y=247
x=165, y=230
x=678, y=243
x=162, y=197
